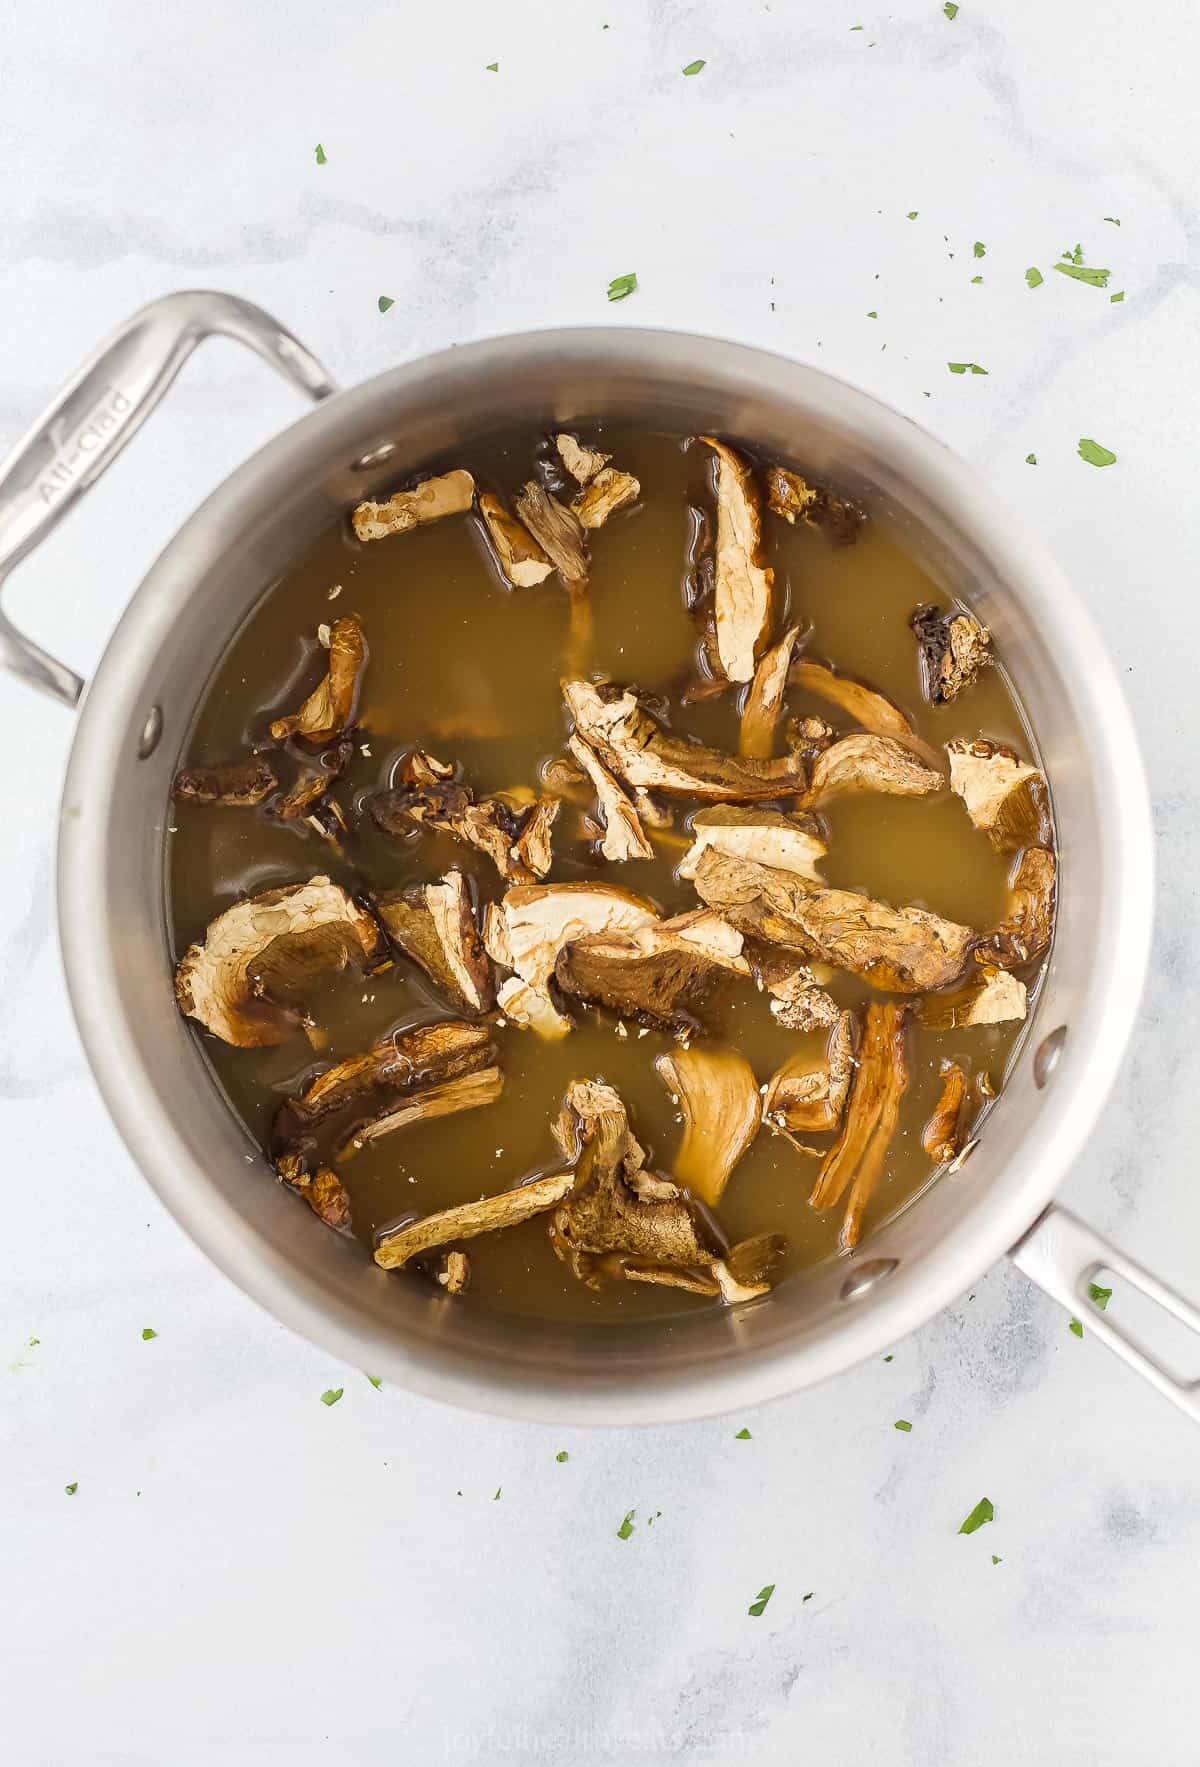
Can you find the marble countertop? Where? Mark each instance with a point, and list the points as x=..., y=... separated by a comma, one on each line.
x=247, y=1576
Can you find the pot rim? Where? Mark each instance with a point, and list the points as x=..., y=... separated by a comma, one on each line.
x=919, y=1290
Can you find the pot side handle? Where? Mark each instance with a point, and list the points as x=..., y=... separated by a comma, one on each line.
x=97, y=412
x=1062, y=1255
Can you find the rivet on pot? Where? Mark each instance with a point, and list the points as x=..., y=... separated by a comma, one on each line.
x=1048, y=1052
x=866, y=1276
x=152, y=730
x=373, y=457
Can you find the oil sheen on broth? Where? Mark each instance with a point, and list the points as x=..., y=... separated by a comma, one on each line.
x=471, y=672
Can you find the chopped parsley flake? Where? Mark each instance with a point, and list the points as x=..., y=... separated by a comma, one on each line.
x=979, y=249
x=375, y=1381
x=1101, y=1296
x=1072, y=257
x=320, y=152
x=693, y=67
x=562, y=1455
x=977, y=279
x=807, y=1597
x=331, y=1395
x=621, y=286
x=1034, y=277
x=1115, y=219
x=902, y=1423
x=1095, y=453
x=33, y=1343
x=1119, y=296
x=496, y=1498
x=982, y=1512
x=1076, y=1327
x=1031, y=460
x=626, y=1527
x=889, y=1358
x=965, y=367
x=743, y=1436
x=872, y=314
x=148, y=1332
x=950, y=9
x=1084, y=273
x=913, y=213
x=71, y=1489
x=761, y=1599
x=996, y=1559
x=385, y=301
x=856, y=27
x=493, y=67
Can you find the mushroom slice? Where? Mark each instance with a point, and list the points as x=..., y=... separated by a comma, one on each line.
x=809, y=1094
x=869, y=708
x=330, y=707
x=770, y=837
x=322, y=1190
x=665, y=973
x=448, y=494
x=993, y=997
x=532, y=847
x=624, y=837
x=581, y=462
x=609, y=491
x=871, y=763
x=243, y=783
x=455, y=1273
x=305, y=795
x=517, y=552
x=244, y=983
x=903, y=950
x=946, y=1131
x=718, y=1095
x=797, y=999
x=808, y=737
x=434, y=925
x=566, y=780
x=764, y=700
x=792, y=497
x=419, y=767
x=750, y=1267
x=857, y=1156
x=467, y=1220
x=1026, y=930
x=526, y=931
x=1005, y=796
x=952, y=649
x=467, y=1093
x=638, y=750
x=491, y=826
x=745, y=596
x=557, y=531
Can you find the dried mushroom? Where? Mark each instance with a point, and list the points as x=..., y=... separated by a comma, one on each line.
x=718, y=1097
x=581, y=462
x=624, y=837
x=469, y=1092
x=608, y=492
x=419, y=767
x=871, y=763
x=856, y=1159
x=468, y=1220
x=797, y=999
x=329, y=709
x=557, y=531
x=770, y=837
x=744, y=597
x=764, y=699
x=808, y=1094
x=528, y=928
x=246, y=982
x=517, y=552
x=952, y=648
x=666, y=973
x=1027, y=929
x=434, y=924
x=306, y=795
x=1005, y=796
x=455, y=1273
x=492, y=826
x=532, y=847
x=322, y=1190
x=449, y=494
x=869, y=708
x=904, y=950
x=792, y=497
x=638, y=750
x=243, y=783
x=992, y=997
x=946, y=1131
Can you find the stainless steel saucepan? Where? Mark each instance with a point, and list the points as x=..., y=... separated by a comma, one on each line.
x=136, y=712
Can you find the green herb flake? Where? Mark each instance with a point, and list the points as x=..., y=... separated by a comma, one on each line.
x=148, y=1332
x=902, y=1423
x=493, y=67
x=496, y=1498
x=32, y=1343
x=1085, y=273
x=1119, y=296
x=1072, y=257
x=872, y=314
x=977, y=279
x=760, y=1600
x=693, y=67
x=807, y=1597
x=982, y=1512
x=1101, y=1296
x=965, y=368
x=856, y=27
x=889, y=1358
x=743, y=1436
x=979, y=249
x=1095, y=453
x=1115, y=219
x=1034, y=277
x=996, y=1559
x=71, y=1489
x=385, y=301
x=375, y=1381
x=950, y=9
x=561, y=1456
x=331, y=1395
x=1031, y=460
x=1076, y=1327
x=320, y=153
x=622, y=286
x=626, y=1527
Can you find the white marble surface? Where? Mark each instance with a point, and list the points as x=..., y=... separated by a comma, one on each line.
x=245, y=1576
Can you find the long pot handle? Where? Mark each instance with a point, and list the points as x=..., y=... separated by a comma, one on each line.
x=98, y=411
x=1062, y=1255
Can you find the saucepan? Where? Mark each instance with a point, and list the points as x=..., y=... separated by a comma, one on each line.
x=135, y=714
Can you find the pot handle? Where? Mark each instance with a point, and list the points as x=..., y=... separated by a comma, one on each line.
x=1062, y=1255
x=98, y=411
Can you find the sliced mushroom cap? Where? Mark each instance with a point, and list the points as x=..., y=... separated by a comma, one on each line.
x=624, y=837
x=745, y=596
x=434, y=924
x=666, y=973
x=322, y=1190
x=857, y=1157
x=246, y=981
x=491, y=826
x=638, y=750
x=607, y=492
x=770, y=837
x=797, y=999
x=946, y=1130
x=557, y=531
x=469, y=1092
x=764, y=699
x=242, y=783
x=1028, y=927
x=718, y=1097
x=808, y=1094
x=953, y=648
x=993, y=997
x=581, y=462
x=869, y=708
x=1005, y=796
x=467, y=1220
x=330, y=707
x=792, y=497
x=903, y=950
x=455, y=1273
x=419, y=767
x=871, y=763
x=448, y=494
x=526, y=931
x=517, y=552
x=532, y=847
x=751, y=1267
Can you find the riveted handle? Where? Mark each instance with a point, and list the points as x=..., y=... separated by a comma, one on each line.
x=1062, y=1255
x=97, y=412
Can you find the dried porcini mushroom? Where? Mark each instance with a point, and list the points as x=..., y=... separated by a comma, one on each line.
x=469, y=1092
x=491, y=826
x=719, y=1100
x=904, y=950
x=532, y=847
x=1026, y=930
x=434, y=924
x=952, y=648
x=992, y=997
x=792, y=497
x=305, y=795
x=329, y=709
x=419, y=767
x=1005, y=796
x=557, y=531
x=764, y=698
x=448, y=494
x=242, y=783
x=808, y=1093
x=665, y=973
x=856, y=1159
x=866, y=706
x=797, y=999
x=246, y=981
x=808, y=737
x=606, y=493
x=517, y=552
x=871, y=763
x=624, y=837
x=744, y=597
x=322, y=1190
x=565, y=780
x=634, y=746
x=468, y=1220
x=455, y=1273
x=581, y=462
x=528, y=928
x=770, y=837
x=945, y=1133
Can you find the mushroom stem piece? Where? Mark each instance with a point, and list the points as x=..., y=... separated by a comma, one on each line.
x=764, y=699
x=857, y=1157
x=330, y=707
x=468, y=1220
x=449, y=494
x=718, y=1096
x=744, y=596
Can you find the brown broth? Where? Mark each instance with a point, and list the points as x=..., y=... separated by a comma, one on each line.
x=469, y=669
